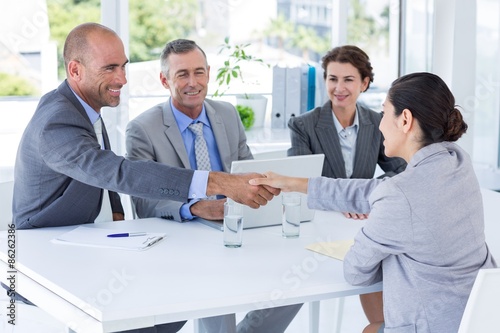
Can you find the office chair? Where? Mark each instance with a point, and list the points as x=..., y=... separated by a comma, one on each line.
x=481, y=311
x=6, y=192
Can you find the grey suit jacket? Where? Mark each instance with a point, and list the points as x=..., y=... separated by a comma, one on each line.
x=424, y=237
x=154, y=135
x=61, y=170
x=314, y=132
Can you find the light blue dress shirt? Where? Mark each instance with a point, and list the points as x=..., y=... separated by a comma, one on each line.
x=188, y=138
x=93, y=115
x=347, y=139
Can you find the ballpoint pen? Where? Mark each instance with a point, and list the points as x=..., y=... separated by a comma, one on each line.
x=128, y=234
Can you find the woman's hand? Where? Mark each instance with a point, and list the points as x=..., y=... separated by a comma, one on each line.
x=355, y=216
x=285, y=183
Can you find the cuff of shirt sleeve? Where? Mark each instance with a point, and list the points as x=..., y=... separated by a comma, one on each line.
x=185, y=210
x=198, y=187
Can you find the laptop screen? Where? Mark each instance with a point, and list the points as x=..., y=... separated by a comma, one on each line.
x=296, y=166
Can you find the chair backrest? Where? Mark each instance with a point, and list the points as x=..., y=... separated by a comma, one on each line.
x=133, y=212
x=483, y=306
x=128, y=206
x=6, y=193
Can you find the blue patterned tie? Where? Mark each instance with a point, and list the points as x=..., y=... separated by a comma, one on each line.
x=201, y=150
x=200, y=147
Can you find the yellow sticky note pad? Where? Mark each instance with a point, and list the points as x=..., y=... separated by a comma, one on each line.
x=337, y=249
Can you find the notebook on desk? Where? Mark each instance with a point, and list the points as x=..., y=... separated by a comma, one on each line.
x=98, y=237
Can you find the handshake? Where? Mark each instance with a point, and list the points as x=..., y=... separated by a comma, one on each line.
x=251, y=189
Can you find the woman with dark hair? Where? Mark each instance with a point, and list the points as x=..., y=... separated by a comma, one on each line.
x=345, y=131
x=425, y=235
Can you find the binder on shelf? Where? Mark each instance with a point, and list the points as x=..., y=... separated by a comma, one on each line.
x=292, y=104
x=304, y=87
x=320, y=96
x=311, y=88
x=296, y=91
x=279, y=95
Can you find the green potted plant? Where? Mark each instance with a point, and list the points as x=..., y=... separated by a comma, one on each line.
x=247, y=116
x=231, y=70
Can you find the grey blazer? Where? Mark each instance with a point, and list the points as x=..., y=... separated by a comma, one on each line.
x=154, y=135
x=424, y=238
x=314, y=132
x=61, y=170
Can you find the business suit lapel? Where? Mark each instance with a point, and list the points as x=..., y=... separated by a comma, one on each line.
x=329, y=141
x=66, y=91
x=220, y=135
x=364, y=144
x=173, y=134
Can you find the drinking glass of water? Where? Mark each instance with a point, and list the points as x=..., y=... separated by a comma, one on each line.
x=233, y=224
x=290, y=219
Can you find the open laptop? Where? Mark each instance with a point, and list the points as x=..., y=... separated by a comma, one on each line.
x=296, y=166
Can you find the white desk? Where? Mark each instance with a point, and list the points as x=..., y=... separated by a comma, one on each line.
x=188, y=275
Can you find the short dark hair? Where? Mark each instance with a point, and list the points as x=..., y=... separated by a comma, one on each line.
x=178, y=46
x=349, y=54
x=431, y=103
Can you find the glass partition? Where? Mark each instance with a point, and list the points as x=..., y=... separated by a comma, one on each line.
x=486, y=101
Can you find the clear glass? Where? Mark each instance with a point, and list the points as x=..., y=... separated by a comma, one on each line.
x=233, y=224
x=290, y=219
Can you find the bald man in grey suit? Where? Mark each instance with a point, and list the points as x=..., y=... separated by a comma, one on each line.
x=61, y=168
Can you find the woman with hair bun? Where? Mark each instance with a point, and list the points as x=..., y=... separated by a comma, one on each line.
x=424, y=237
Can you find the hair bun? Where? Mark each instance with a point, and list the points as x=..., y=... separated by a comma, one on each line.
x=456, y=126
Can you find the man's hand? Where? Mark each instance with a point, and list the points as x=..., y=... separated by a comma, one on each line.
x=209, y=209
x=118, y=217
x=236, y=187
